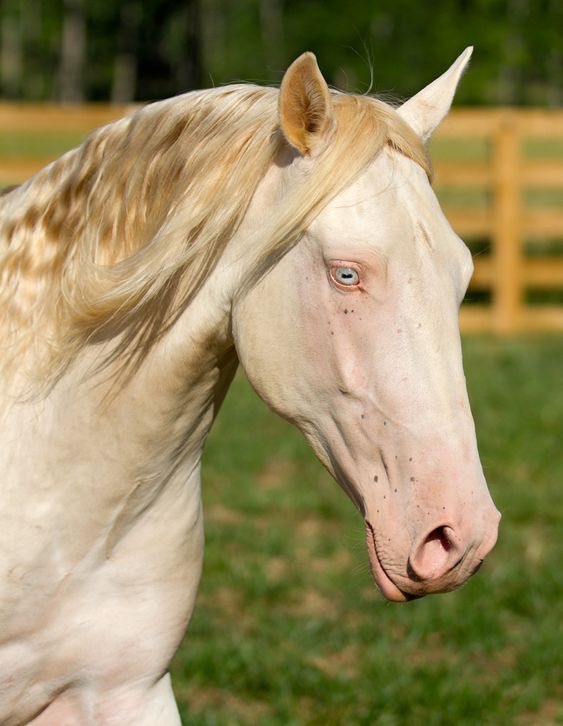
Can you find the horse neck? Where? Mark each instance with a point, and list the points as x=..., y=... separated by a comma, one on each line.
x=171, y=402
x=153, y=426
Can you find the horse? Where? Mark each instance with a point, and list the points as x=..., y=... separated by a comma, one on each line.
x=293, y=231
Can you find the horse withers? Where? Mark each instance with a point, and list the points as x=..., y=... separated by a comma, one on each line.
x=293, y=231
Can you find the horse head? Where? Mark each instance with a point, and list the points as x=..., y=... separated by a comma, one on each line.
x=352, y=334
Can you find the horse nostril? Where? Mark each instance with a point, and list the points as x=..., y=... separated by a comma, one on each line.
x=437, y=553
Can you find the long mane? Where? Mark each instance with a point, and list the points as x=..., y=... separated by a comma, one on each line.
x=114, y=239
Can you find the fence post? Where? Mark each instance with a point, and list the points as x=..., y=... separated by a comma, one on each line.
x=507, y=240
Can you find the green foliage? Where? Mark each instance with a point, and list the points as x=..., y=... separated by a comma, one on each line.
x=518, y=57
x=289, y=628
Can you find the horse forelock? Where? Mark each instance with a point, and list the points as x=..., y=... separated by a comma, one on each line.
x=117, y=236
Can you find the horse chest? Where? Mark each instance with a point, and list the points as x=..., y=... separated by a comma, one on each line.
x=87, y=563
x=80, y=631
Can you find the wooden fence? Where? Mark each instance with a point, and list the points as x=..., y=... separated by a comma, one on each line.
x=512, y=163
x=499, y=174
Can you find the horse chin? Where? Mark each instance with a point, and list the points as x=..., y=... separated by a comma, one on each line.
x=384, y=583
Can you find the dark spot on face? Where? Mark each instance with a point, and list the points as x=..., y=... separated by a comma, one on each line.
x=376, y=478
x=385, y=423
x=410, y=458
x=395, y=491
x=345, y=311
x=363, y=415
x=412, y=478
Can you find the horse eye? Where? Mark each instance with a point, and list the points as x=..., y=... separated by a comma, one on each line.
x=346, y=276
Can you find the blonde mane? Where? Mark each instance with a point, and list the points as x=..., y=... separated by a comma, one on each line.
x=114, y=239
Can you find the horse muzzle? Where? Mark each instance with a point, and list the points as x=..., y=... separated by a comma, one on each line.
x=438, y=561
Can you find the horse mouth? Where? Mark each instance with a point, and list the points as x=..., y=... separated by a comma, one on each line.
x=385, y=584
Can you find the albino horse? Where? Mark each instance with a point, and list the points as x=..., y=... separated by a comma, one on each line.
x=294, y=231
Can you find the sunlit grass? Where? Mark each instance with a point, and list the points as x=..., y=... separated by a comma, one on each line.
x=30, y=145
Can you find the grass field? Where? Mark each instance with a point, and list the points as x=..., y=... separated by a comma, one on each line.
x=289, y=628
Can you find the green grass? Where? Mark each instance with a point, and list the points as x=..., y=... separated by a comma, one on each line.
x=29, y=145
x=289, y=628
x=450, y=148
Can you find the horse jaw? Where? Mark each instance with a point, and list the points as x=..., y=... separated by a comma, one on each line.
x=373, y=377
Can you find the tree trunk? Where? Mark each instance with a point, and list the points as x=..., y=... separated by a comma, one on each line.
x=73, y=52
x=510, y=75
x=271, y=26
x=125, y=64
x=189, y=70
x=36, y=81
x=11, y=56
x=555, y=58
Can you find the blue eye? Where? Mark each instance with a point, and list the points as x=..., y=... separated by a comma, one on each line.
x=346, y=276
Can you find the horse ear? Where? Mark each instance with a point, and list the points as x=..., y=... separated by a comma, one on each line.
x=305, y=108
x=425, y=111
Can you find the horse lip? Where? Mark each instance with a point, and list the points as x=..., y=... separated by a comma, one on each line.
x=384, y=583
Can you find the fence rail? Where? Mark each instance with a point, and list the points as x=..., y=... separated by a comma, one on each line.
x=519, y=223
x=499, y=174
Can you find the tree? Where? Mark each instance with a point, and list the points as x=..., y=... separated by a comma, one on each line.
x=73, y=53
x=126, y=63
x=11, y=56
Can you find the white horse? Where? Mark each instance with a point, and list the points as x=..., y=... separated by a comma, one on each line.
x=294, y=231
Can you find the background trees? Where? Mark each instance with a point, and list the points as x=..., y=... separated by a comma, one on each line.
x=74, y=50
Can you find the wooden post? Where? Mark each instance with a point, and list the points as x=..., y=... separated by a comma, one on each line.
x=507, y=239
